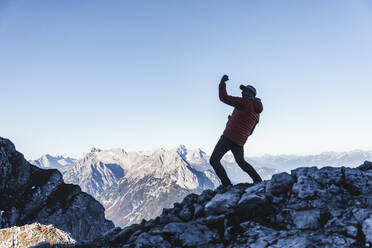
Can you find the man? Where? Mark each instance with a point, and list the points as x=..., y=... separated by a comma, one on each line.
x=240, y=125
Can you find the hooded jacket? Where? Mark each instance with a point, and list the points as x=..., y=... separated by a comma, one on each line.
x=244, y=118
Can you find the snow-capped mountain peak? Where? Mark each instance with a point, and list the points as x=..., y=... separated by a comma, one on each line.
x=48, y=161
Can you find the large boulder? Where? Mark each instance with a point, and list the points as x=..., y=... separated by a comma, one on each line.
x=280, y=183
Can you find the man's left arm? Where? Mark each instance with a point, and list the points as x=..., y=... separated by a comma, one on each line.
x=225, y=98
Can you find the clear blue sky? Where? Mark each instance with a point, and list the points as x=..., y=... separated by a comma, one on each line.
x=144, y=74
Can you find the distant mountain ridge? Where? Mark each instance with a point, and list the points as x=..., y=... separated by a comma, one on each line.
x=335, y=159
x=48, y=161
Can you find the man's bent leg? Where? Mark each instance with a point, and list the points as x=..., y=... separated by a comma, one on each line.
x=238, y=153
x=221, y=148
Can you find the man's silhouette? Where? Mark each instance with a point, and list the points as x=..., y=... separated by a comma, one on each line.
x=240, y=125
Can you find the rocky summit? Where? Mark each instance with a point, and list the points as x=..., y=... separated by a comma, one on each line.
x=32, y=195
x=310, y=207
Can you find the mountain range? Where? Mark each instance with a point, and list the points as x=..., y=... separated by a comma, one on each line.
x=137, y=185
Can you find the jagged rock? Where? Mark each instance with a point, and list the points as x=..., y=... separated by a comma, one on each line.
x=305, y=186
x=186, y=214
x=190, y=199
x=222, y=202
x=352, y=231
x=258, y=188
x=198, y=210
x=112, y=231
x=165, y=219
x=214, y=220
x=124, y=235
x=293, y=242
x=36, y=235
x=252, y=206
x=367, y=165
x=308, y=219
x=190, y=234
x=280, y=183
x=146, y=240
x=29, y=194
x=205, y=196
x=151, y=223
x=367, y=229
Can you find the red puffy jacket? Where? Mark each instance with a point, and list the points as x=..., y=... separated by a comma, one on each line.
x=244, y=118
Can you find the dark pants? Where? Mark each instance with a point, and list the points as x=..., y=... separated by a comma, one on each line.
x=224, y=145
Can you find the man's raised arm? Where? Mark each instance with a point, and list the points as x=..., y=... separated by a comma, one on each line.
x=224, y=97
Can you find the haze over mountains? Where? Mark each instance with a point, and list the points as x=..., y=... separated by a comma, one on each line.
x=137, y=185
x=283, y=162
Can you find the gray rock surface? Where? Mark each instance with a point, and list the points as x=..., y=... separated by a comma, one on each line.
x=29, y=194
x=307, y=219
x=222, y=202
x=280, y=183
x=367, y=229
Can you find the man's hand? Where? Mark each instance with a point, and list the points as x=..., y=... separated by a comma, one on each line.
x=224, y=78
